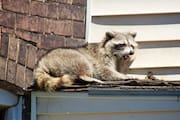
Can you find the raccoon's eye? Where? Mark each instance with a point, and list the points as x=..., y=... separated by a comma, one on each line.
x=119, y=46
x=132, y=46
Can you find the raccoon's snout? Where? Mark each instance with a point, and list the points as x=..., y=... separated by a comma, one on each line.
x=131, y=53
x=127, y=56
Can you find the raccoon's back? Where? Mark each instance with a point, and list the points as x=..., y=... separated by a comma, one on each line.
x=65, y=61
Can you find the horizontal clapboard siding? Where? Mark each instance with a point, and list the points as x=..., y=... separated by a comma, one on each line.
x=129, y=7
x=81, y=106
x=157, y=24
x=157, y=57
x=148, y=27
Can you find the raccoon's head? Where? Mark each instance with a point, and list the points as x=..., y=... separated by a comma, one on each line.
x=121, y=45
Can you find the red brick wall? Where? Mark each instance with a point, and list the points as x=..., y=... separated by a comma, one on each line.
x=29, y=28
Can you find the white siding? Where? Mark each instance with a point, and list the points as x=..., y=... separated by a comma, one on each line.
x=157, y=24
x=148, y=27
x=129, y=7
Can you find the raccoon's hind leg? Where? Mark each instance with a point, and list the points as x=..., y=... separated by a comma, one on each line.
x=67, y=80
x=44, y=81
x=90, y=79
x=49, y=83
x=57, y=82
x=52, y=83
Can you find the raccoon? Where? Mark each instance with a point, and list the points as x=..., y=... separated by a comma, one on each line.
x=61, y=67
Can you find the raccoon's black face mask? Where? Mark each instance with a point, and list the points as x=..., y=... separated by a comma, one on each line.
x=122, y=45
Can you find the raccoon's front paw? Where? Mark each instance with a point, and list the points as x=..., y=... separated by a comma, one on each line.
x=99, y=81
x=131, y=78
x=122, y=77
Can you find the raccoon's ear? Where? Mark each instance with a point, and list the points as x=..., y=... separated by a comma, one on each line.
x=133, y=34
x=109, y=35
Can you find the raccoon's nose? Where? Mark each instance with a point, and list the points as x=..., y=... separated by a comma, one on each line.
x=131, y=53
